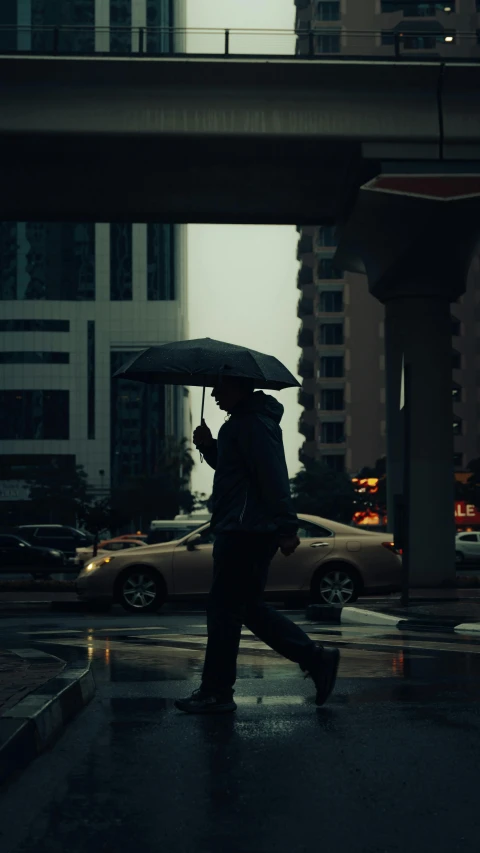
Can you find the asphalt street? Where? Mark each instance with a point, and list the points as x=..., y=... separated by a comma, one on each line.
x=390, y=764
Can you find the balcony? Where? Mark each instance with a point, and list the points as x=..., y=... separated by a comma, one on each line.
x=306, y=400
x=305, y=307
x=305, y=337
x=305, y=368
x=304, y=246
x=307, y=452
x=305, y=276
x=306, y=429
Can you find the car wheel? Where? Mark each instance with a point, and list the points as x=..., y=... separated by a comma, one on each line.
x=459, y=558
x=338, y=585
x=141, y=590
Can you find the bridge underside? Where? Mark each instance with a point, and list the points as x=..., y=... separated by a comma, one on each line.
x=60, y=177
x=241, y=141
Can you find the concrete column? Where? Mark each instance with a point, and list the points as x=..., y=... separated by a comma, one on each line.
x=394, y=343
x=420, y=327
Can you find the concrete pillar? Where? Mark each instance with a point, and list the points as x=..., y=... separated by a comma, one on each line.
x=394, y=343
x=413, y=232
x=420, y=328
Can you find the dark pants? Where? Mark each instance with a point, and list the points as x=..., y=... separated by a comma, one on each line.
x=240, y=570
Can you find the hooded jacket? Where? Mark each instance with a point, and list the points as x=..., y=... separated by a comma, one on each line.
x=251, y=489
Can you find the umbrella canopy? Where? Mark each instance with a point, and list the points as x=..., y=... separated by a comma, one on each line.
x=203, y=362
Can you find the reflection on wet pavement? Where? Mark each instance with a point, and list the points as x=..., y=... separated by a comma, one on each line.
x=390, y=764
x=406, y=665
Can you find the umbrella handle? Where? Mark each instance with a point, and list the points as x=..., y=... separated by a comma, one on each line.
x=201, y=416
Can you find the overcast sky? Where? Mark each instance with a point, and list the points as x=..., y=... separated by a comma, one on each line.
x=242, y=278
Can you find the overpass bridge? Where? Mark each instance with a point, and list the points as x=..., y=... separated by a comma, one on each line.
x=215, y=139
x=389, y=150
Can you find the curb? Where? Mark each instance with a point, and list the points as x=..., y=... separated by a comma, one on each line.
x=359, y=616
x=35, y=723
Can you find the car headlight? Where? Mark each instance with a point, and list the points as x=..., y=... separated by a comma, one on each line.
x=55, y=553
x=95, y=564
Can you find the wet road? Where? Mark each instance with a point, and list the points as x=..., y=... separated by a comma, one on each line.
x=390, y=764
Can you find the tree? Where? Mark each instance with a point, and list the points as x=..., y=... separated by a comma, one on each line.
x=162, y=494
x=101, y=516
x=317, y=490
x=59, y=495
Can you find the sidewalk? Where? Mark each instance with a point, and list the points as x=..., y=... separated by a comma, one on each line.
x=39, y=695
x=438, y=610
x=435, y=608
x=20, y=674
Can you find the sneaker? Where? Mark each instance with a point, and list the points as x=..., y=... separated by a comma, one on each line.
x=323, y=671
x=205, y=703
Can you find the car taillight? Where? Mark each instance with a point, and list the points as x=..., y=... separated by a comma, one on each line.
x=391, y=547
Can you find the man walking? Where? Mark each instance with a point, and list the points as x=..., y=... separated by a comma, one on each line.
x=252, y=517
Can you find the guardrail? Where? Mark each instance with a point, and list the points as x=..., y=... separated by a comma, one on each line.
x=317, y=43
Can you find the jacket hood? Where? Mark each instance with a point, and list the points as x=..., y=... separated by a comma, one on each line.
x=263, y=404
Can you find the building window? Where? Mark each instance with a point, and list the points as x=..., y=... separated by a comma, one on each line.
x=91, y=379
x=160, y=17
x=419, y=42
x=328, y=43
x=458, y=460
x=456, y=360
x=327, y=270
x=412, y=9
x=34, y=325
x=331, y=334
x=333, y=432
x=335, y=462
x=13, y=357
x=120, y=26
x=332, y=400
x=47, y=260
x=331, y=302
x=457, y=426
x=327, y=236
x=34, y=415
x=121, y=288
x=76, y=22
x=328, y=10
x=161, y=261
x=331, y=366
x=137, y=425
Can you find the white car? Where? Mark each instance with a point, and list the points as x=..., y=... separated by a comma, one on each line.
x=467, y=548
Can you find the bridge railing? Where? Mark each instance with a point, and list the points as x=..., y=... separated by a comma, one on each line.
x=317, y=43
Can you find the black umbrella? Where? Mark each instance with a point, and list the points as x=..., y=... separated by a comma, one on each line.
x=203, y=362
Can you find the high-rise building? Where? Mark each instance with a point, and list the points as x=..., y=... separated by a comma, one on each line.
x=78, y=299
x=342, y=332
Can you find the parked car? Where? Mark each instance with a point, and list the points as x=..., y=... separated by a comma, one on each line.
x=58, y=536
x=467, y=548
x=333, y=564
x=18, y=555
x=83, y=555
